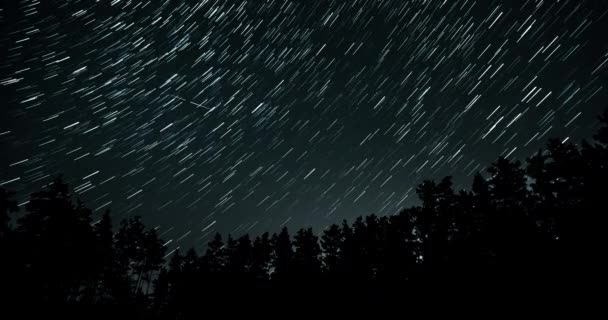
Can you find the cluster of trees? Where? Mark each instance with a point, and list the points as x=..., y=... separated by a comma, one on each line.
x=542, y=222
x=57, y=256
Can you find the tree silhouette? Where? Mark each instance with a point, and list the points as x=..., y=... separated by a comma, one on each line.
x=59, y=262
x=332, y=242
x=105, y=283
x=11, y=267
x=260, y=257
x=307, y=254
x=154, y=250
x=215, y=257
x=161, y=293
x=7, y=206
x=602, y=134
x=535, y=225
x=400, y=247
x=239, y=257
x=434, y=223
x=130, y=251
x=282, y=256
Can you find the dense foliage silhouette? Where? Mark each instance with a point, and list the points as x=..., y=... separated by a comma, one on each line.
x=535, y=225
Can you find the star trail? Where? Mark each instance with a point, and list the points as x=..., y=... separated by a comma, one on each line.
x=245, y=116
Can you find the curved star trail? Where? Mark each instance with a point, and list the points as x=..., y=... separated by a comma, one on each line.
x=244, y=116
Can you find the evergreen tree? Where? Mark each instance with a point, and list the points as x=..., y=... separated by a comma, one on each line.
x=332, y=242
x=307, y=254
x=215, y=257
x=261, y=252
x=282, y=257
x=7, y=206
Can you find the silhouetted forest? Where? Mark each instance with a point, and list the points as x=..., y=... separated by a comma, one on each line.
x=538, y=224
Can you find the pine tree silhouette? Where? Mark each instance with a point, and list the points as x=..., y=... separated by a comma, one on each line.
x=7, y=206
x=537, y=227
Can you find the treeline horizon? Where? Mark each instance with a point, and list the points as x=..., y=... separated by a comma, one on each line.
x=538, y=224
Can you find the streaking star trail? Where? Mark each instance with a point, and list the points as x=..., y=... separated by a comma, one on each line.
x=244, y=116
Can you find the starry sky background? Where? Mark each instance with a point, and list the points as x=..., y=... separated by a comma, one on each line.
x=244, y=116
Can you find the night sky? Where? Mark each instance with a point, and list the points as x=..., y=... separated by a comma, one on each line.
x=245, y=116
